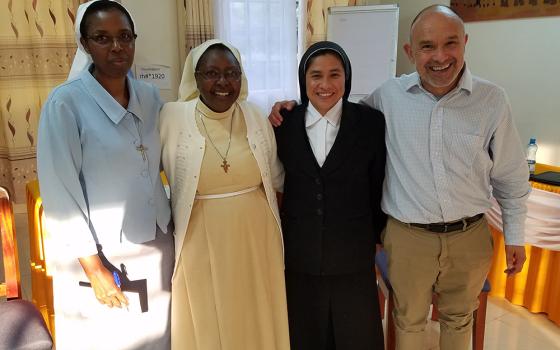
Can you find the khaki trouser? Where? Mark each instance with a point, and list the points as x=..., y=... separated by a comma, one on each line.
x=453, y=265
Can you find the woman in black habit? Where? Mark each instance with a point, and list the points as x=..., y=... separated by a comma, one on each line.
x=333, y=152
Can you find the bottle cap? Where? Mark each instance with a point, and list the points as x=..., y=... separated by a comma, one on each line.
x=533, y=140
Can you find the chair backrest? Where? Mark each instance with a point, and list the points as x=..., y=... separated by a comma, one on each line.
x=41, y=265
x=21, y=324
x=11, y=287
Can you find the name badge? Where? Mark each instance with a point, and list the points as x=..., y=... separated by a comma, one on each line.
x=159, y=75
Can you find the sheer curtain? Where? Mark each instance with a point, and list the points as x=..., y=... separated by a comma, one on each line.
x=264, y=31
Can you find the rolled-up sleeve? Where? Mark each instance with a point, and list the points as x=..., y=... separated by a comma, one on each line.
x=59, y=161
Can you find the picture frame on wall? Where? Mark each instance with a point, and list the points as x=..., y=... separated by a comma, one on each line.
x=485, y=10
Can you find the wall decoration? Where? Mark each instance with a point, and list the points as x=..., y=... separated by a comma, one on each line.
x=484, y=10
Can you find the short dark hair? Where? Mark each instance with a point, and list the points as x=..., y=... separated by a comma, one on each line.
x=102, y=6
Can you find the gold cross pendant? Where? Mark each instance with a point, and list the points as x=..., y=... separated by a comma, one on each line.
x=142, y=150
x=225, y=165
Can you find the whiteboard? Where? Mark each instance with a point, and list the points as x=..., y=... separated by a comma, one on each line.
x=369, y=36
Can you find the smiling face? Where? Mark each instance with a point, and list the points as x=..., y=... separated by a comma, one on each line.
x=218, y=78
x=324, y=81
x=437, y=49
x=115, y=59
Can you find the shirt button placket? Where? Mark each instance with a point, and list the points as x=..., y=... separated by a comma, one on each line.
x=436, y=153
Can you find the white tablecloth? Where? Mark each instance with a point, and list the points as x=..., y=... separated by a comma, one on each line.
x=542, y=228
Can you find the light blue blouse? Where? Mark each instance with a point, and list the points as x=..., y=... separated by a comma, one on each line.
x=96, y=186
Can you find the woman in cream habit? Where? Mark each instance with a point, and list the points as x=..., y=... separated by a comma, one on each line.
x=219, y=155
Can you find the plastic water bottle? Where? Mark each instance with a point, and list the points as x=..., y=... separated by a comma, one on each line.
x=532, y=155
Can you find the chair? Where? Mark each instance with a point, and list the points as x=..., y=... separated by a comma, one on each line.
x=41, y=278
x=386, y=294
x=10, y=288
x=21, y=326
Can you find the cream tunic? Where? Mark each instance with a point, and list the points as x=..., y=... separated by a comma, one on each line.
x=228, y=289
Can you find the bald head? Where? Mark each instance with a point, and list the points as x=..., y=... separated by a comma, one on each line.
x=440, y=10
x=437, y=48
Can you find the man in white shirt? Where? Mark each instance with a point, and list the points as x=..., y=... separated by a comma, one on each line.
x=451, y=145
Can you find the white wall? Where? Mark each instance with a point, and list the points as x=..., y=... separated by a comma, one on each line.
x=520, y=55
x=523, y=56
x=157, y=42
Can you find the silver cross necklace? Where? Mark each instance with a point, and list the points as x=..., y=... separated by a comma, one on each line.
x=140, y=148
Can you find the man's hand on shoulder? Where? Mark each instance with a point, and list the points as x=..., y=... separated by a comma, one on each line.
x=275, y=118
x=515, y=258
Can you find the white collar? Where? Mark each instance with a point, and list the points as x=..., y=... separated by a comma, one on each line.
x=333, y=115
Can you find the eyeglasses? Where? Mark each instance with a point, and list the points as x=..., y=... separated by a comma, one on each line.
x=214, y=75
x=106, y=40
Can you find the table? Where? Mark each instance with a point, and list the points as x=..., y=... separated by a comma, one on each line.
x=537, y=287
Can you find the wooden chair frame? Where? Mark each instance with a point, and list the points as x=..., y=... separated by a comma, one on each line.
x=41, y=279
x=11, y=288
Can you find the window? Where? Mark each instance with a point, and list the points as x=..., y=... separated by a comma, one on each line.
x=264, y=31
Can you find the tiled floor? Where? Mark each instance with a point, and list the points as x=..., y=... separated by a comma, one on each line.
x=515, y=325
x=508, y=327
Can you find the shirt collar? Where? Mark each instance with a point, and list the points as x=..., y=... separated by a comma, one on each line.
x=413, y=80
x=107, y=103
x=333, y=115
x=465, y=83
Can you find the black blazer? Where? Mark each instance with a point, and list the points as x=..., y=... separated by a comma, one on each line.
x=331, y=215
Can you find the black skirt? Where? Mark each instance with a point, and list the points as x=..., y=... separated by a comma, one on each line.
x=334, y=312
